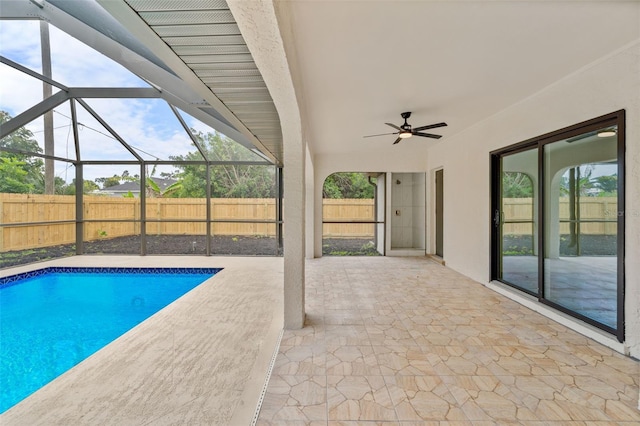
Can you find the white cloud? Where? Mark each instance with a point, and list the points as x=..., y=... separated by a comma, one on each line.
x=144, y=124
x=18, y=91
x=20, y=42
x=77, y=65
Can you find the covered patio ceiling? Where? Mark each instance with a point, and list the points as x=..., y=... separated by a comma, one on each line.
x=358, y=64
x=362, y=63
x=201, y=42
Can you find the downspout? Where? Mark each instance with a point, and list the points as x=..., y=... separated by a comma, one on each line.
x=375, y=209
x=572, y=207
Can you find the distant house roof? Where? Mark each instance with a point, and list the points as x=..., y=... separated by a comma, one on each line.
x=134, y=187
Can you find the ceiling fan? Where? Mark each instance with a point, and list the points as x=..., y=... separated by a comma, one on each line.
x=406, y=131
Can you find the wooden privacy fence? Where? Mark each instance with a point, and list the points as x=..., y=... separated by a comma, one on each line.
x=598, y=215
x=184, y=212
x=345, y=210
x=178, y=216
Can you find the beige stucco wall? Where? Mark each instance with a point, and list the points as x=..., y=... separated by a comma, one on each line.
x=326, y=164
x=608, y=85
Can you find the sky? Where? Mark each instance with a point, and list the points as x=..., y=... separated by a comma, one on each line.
x=146, y=124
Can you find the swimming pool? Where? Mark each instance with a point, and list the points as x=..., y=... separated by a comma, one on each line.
x=53, y=318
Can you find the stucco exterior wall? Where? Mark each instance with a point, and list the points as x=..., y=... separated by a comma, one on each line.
x=608, y=85
x=397, y=160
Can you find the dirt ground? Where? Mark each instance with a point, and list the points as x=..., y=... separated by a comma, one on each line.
x=156, y=245
x=183, y=245
x=348, y=247
x=590, y=245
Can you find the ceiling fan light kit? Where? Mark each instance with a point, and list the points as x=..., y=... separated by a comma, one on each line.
x=406, y=131
x=606, y=133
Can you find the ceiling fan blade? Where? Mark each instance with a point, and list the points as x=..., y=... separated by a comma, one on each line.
x=394, y=126
x=381, y=134
x=397, y=140
x=427, y=135
x=430, y=126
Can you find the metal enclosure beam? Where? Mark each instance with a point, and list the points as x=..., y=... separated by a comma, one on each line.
x=32, y=113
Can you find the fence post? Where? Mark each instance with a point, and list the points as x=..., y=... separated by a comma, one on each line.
x=1, y=222
x=79, y=210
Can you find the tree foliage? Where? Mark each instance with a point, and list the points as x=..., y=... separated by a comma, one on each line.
x=229, y=180
x=583, y=182
x=154, y=190
x=520, y=185
x=347, y=185
x=607, y=184
x=70, y=189
x=117, y=179
x=12, y=176
x=516, y=185
x=22, y=173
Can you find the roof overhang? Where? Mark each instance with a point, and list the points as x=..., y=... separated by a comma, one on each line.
x=201, y=43
x=249, y=118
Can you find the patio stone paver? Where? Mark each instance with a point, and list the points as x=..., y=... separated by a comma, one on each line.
x=405, y=341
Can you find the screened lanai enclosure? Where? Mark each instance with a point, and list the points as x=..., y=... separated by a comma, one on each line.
x=104, y=149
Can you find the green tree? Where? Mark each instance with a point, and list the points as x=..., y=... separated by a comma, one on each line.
x=583, y=181
x=608, y=184
x=229, y=180
x=118, y=179
x=127, y=177
x=516, y=185
x=154, y=191
x=88, y=186
x=21, y=140
x=13, y=176
x=347, y=185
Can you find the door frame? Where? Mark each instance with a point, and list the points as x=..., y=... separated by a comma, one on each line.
x=539, y=142
x=438, y=205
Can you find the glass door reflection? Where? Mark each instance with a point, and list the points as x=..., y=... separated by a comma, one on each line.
x=580, y=260
x=518, y=220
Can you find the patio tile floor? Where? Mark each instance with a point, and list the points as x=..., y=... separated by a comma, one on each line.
x=406, y=341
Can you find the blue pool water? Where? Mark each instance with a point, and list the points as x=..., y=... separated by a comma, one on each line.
x=53, y=318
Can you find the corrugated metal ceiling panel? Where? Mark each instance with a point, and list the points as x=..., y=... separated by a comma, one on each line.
x=187, y=17
x=214, y=40
x=225, y=49
x=210, y=29
x=212, y=59
x=157, y=5
x=203, y=33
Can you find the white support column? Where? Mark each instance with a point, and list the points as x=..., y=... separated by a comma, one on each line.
x=317, y=221
x=294, y=233
x=259, y=26
x=309, y=208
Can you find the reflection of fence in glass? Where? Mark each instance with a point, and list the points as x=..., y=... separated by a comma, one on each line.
x=596, y=216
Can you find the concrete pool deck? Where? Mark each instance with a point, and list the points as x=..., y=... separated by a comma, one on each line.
x=201, y=360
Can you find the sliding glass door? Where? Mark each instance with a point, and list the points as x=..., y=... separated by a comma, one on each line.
x=569, y=185
x=517, y=219
x=581, y=236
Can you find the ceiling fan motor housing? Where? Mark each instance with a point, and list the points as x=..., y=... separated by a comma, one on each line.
x=406, y=126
